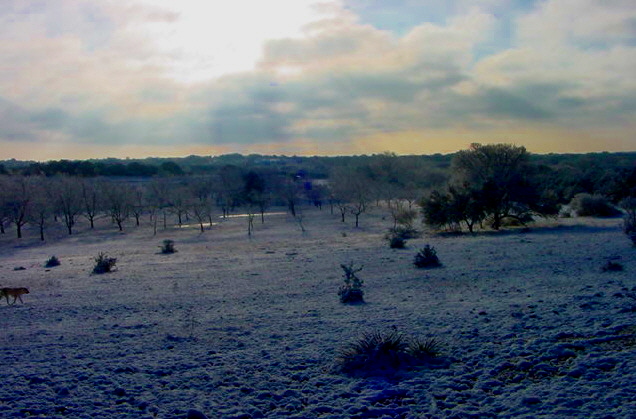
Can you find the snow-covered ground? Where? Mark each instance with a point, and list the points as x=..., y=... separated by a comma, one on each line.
x=239, y=327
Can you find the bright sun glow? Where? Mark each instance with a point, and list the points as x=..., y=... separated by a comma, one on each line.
x=213, y=38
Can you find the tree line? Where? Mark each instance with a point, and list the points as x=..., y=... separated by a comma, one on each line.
x=39, y=200
x=481, y=186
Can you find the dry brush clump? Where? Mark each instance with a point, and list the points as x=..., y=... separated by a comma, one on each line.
x=167, y=247
x=385, y=353
x=103, y=263
x=52, y=262
x=612, y=267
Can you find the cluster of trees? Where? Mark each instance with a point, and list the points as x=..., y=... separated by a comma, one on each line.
x=489, y=182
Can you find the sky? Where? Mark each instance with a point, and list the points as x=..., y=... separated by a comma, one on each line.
x=139, y=78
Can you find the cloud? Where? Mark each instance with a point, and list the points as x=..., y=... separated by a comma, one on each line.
x=322, y=77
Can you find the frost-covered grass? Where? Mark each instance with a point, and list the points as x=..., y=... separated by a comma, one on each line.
x=527, y=324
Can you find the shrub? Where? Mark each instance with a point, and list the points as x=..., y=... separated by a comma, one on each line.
x=427, y=258
x=586, y=205
x=168, y=247
x=396, y=242
x=612, y=267
x=629, y=221
x=103, y=263
x=406, y=232
x=381, y=352
x=52, y=262
x=351, y=291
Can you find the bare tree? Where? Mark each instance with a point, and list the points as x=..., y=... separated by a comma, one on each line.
x=119, y=201
x=179, y=202
x=158, y=192
x=18, y=202
x=91, y=200
x=290, y=191
x=41, y=207
x=68, y=200
x=351, y=187
x=139, y=203
x=4, y=211
x=229, y=184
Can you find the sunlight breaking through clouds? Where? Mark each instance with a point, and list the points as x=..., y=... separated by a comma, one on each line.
x=289, y=76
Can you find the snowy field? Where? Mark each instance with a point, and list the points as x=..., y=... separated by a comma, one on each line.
x=235, y=327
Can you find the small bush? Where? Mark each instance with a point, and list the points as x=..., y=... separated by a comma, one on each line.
x=427, y=258
x=381, y=352
x=167, y=247
x=406, y=232
x=103, y=264
x=586, y=205
x=351, y=291
x=52, y=262
x=396, y=242
x=612, y=267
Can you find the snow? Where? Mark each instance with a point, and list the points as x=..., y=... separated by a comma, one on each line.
x=239, y=327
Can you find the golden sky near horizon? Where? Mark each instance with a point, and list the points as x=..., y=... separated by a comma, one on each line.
x=83, y=79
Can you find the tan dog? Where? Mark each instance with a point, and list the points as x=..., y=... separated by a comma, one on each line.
x=16, y=293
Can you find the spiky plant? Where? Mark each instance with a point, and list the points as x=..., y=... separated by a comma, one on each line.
x=374, y=351
x=351, y=291
x=423, y=349
x=427, y=258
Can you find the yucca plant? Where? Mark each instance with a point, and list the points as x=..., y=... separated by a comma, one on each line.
x=375, y=351
x=386, y=352
x=351, y=291
x=423, y=349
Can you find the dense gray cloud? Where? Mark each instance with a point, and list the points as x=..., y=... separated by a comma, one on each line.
x=84, y=73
